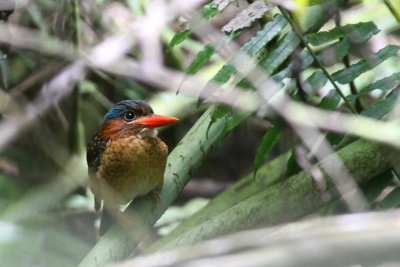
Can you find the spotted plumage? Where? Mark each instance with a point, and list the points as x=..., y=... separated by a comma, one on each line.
x=125, y=157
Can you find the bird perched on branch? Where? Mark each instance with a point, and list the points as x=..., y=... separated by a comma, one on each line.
x=126, y=159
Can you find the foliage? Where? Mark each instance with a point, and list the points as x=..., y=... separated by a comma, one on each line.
x=314, y=86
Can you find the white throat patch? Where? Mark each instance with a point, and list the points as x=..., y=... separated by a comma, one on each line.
x=150, y=132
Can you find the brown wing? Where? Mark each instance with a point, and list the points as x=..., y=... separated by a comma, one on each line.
x=95, y=150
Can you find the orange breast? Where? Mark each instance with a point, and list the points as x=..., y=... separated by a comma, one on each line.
x=131, y=166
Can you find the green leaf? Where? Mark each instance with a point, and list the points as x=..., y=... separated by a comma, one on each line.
x=334, y=53
x=207, y=12
x=384, y=84
x=218, y=113
x=234, y=120
x=331, y=101
x=279, y=52
x=320, y=38
x=252, y=47
x=317, y=80
x=224, y=74
x=292, y=166
x=392, y=200
x=380, y=109
x=201, y=58
x=265, y=35
x=306, y=59
x=206, y=53
x=179, y=38
x=361, y=32
x=267, y=143
x=357, y=33
x=349, y=74
x=374, y=187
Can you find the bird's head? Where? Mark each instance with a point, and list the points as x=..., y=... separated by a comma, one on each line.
x=132, y=117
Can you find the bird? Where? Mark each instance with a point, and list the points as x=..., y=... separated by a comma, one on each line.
x=125, y=158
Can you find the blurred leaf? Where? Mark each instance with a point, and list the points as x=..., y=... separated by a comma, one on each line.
x=292, y=167
x=357, y=33
x=10, y=189
x=317, y=80
x=334, y=53
x=267, y=144
x=380, y=109
x=383, y=84
x=41, y=199
x=21, y=246
x=392, y=200
x=206, y=53
x=349, y=74
x=280, y=51
x=331, y=101
x=201, y=58
x=179, y=38
x=373, y=188
x=207, y=12
x=234, y=120
x=306, y=59
x=174, y=214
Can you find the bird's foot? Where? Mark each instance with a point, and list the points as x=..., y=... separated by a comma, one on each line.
x=156, y=195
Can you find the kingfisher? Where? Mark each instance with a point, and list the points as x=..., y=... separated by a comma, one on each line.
x=125, y=157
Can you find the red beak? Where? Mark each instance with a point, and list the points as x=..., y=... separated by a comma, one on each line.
x=154, y=121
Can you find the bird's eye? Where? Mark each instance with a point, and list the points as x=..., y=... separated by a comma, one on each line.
x=129, y=116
